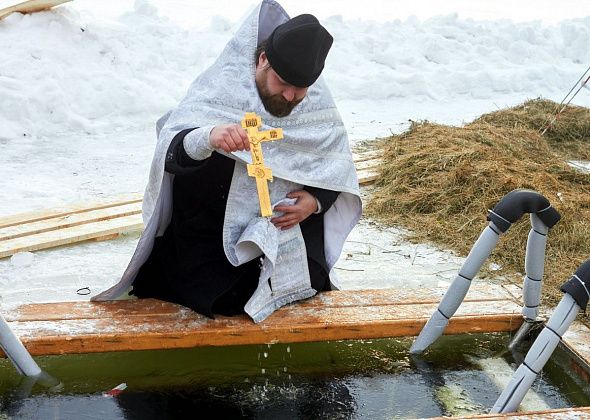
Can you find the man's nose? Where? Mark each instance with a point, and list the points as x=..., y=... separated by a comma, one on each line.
x=289, y=94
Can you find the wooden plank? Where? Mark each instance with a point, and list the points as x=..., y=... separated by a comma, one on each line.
x=31, y=6
x=187, y=334
x=515, y=290
x=35, y=216
x=365, y=155
x=106, y=237
x=367, y=177
x=368, y=164
x=576, y=340
x=558, y=413
x=70, y=235
x=88, y=327
x=69, y=220
x=151, y=307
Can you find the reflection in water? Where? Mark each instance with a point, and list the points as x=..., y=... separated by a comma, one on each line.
x=372, y=379
x=12, y=405
x=315, y=400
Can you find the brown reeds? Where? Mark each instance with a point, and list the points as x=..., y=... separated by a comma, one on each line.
x=438, y=182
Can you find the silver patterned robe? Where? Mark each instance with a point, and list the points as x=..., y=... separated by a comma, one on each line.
x=314, y=152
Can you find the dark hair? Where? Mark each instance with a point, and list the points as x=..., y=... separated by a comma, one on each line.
x=259, y=50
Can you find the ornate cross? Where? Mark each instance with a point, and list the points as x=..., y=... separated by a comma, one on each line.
x=263, y=174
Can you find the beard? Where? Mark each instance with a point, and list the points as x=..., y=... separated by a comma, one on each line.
x=276, y=105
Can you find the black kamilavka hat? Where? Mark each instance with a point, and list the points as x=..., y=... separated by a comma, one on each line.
x=297, y=50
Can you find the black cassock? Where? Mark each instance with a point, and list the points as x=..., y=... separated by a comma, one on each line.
x=188, y=265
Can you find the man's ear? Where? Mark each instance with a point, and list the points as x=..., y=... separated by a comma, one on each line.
x=262, y=60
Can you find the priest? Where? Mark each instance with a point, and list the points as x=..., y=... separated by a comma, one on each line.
x=205, y=245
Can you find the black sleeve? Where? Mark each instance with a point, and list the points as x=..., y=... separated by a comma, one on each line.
x=178, y=162
x=325, y=197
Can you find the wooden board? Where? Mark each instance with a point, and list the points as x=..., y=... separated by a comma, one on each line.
x=31, y=6
x=86, y=327
x=63, y=211
x=365, y=155
x=47, y=229
x=65, y=236
x=367, y=166
x=368, y=177
x=69, y=220
x=559, y=413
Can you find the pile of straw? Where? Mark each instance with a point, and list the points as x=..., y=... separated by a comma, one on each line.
x=569, y=134
x=439, y=181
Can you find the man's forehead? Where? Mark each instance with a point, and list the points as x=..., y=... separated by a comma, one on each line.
x=283, y=81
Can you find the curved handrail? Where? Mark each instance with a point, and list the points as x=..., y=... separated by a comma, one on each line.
x=576, y=297
x=508, y=210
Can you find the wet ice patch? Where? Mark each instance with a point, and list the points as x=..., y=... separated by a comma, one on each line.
x=22, y=259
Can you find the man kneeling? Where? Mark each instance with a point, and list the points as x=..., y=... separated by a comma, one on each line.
x=205, y=245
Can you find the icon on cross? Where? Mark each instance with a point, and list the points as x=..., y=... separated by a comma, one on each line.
x=263, y=174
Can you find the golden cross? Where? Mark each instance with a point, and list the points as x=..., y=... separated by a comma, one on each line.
x=251, y=123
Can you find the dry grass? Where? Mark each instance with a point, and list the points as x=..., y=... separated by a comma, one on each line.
x=439, y=181
x=568, y=135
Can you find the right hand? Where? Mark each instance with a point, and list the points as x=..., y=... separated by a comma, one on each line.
x=229, y=138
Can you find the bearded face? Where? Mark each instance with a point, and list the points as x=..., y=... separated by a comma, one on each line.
x=276, y=105
x=278, y=97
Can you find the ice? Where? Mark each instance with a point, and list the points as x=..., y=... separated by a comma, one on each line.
x=22, y=259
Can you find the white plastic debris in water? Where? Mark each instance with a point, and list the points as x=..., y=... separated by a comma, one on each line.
x=116, y=390
x=22, y=259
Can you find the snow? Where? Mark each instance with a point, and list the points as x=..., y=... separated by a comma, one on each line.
x=82, y=85
x=580, y=165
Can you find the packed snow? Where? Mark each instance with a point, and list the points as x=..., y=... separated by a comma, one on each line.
x=82, y=85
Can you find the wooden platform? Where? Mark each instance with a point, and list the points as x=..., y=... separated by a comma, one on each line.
x=30, y=6
x=85, y=327
x=39, y=230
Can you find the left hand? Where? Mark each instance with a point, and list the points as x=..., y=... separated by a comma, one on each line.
x=305, y=205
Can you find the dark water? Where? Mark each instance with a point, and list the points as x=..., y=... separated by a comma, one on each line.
x=337, y=380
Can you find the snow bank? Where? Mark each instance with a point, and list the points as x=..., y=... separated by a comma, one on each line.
x=65, y=71
x=62, y=73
